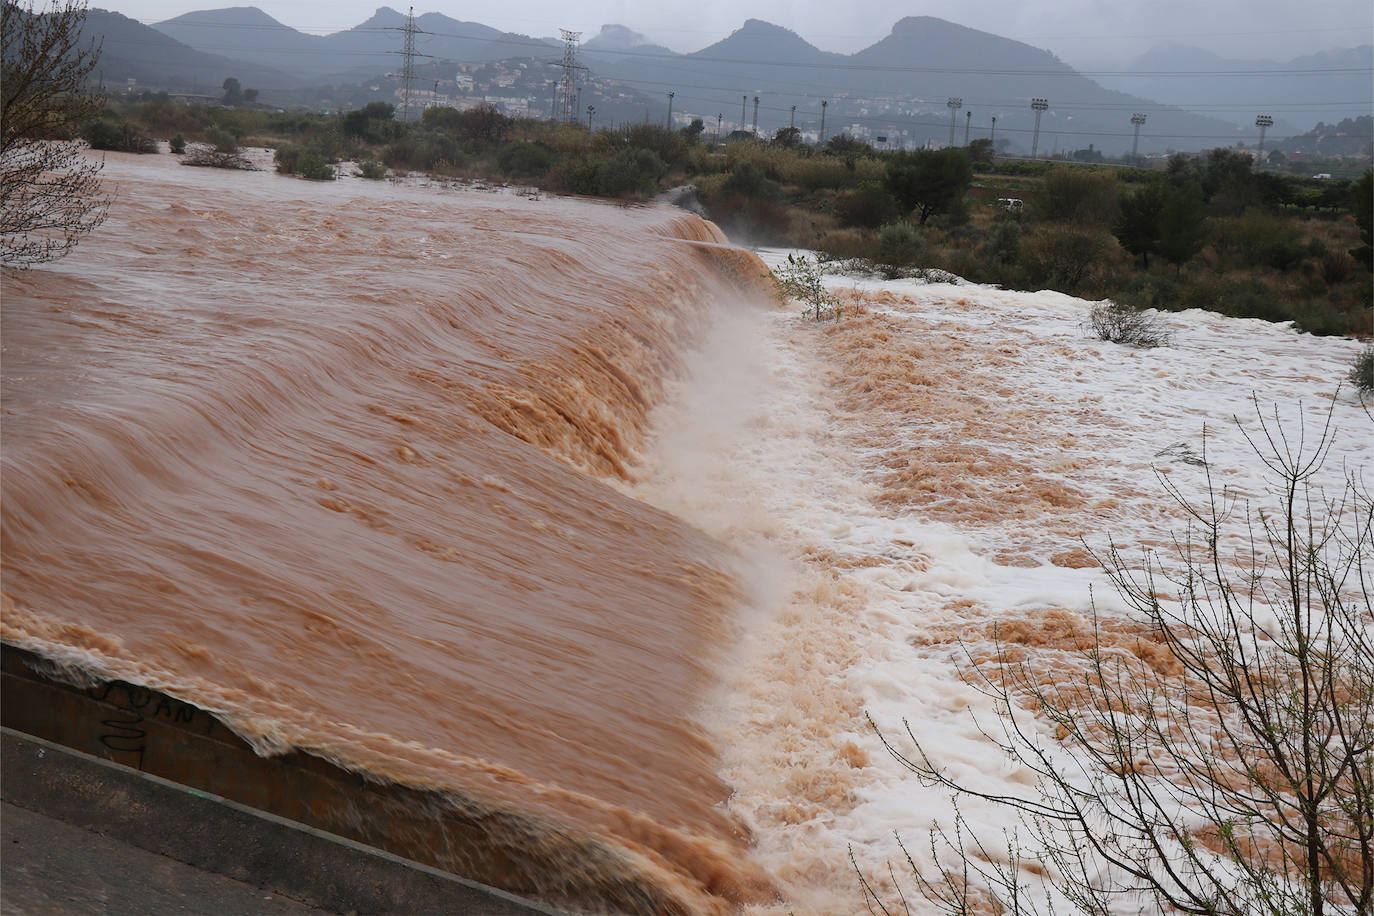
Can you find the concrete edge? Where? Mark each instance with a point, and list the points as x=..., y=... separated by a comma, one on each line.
x=219, y=835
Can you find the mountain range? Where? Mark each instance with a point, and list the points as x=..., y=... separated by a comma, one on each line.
x=899, y=87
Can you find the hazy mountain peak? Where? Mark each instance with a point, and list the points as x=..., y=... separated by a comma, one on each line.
x=614, y=36
x=757, y=26
x=231, y=15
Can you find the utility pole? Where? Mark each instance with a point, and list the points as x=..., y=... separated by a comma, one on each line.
x=1137, y=119
x=992, y=138
x=670, y=109
x=408, y=55
x=578, y=107
x=571, y=98
x=591, y=110
x=968, y=123
x=1038, y=106
x=824, y=103
x=719, y=118
x=953, y=104
x=1263, y=122
x=743, y=107
x=756, y=116
x=793, y=123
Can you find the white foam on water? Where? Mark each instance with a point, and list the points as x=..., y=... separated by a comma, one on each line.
x=854, y=599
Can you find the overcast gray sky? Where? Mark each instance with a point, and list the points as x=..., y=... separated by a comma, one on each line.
x=1082, y=32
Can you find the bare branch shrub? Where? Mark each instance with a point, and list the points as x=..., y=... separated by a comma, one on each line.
x=50, y=192
x=1238, y=778
x=1126, y=324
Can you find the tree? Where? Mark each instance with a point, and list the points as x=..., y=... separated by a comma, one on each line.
x=787, y=137
x=50, y=192
x=1137, y=223
x=929, y=181
x=1164, y=217
x=1363, y=205
x=692, y=132
x=1233, y=775
x=1182, y=227
x=233, y=91
x=980, y=151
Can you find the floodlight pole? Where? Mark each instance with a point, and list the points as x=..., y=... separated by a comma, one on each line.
x=1038, y=106
x=1137, y=119
x=1263, y=122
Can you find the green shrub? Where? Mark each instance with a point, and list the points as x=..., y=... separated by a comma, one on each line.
x=1251, y=300
x=524, y=160
x=313, y=167
x=748, y=180
x=869, y=206
x=1003, y=243
x=1067, y=259
x=296, y=159
x=670, y=146
x=633, y=171
x=178, y=144
x=221, y=139
x=899, y=244
x=1081, y=196
x=1362, y=370
x=423, y=151
x=1259, y=240
x=371, y=169
x=1151, y=291
x=582, y=177
x=116, y=136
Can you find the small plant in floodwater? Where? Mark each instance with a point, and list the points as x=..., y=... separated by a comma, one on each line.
x=800, y=279
x=1362, y=370
x=1125, y=324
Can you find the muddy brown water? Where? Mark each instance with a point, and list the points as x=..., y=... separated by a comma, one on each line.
x=333, y=462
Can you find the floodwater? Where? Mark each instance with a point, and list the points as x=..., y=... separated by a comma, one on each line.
x=334, y=462
x=540, y=502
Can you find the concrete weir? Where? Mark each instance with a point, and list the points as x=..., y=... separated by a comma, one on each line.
x=127, y=772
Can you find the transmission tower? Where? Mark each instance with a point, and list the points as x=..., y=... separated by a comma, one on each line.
x=408, y=55
x=953, y=105
x=568, y=93
x=1137, y=119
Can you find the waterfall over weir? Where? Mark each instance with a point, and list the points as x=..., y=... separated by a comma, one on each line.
x=335, y=463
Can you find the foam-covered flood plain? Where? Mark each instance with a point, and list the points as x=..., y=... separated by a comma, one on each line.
x=940, y=466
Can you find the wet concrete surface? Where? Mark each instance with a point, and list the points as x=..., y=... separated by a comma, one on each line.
x=51, y=867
